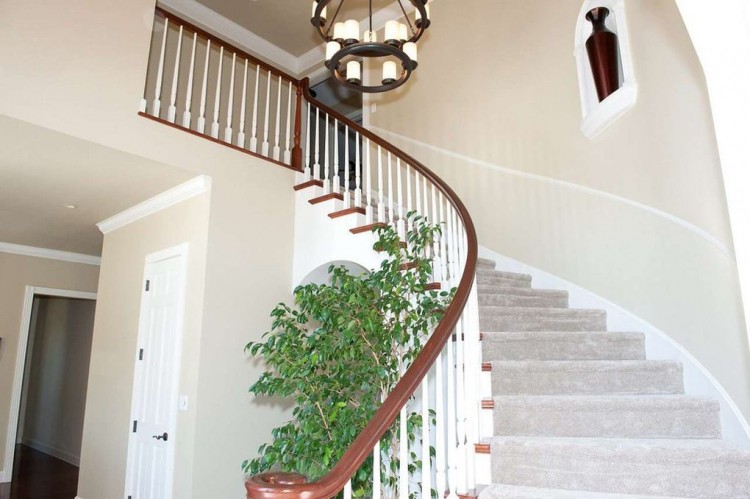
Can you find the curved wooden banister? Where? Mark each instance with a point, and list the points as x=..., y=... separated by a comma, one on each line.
x=291, y=485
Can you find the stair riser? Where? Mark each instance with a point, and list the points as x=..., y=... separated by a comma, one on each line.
x=499, y=280
x=588, y=381
x=499, y=300
x=490, y=273
x=640, y=471
x=620, y=420
x=597, y=346
x=540, y=323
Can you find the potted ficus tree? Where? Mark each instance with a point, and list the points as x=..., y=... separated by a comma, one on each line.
x=340, y=350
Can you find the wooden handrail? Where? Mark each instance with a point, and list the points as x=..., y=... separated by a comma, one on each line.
x=273, y=485
x=215, y=40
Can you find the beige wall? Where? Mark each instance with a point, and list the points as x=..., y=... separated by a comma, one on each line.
x=58, y=373
x=637, y=215
x=17, y=272
x=103, y=460
x=89, y=59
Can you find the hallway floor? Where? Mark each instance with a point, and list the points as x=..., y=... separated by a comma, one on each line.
x=40, y=476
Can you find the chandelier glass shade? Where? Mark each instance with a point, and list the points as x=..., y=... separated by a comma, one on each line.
x=347, y=45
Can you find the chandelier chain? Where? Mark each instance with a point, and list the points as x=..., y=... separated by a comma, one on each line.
x=335, y=15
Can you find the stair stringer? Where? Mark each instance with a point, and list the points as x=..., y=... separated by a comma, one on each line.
x=659, y=345
x=320, y=240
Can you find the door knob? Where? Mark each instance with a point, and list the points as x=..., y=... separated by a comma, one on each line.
x=164, y=437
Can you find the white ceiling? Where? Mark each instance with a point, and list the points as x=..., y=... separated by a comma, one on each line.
x=286, y=23
x=40, y=170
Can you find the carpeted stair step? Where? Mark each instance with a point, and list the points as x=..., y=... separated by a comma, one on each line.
x=498, y=491
x=619, y=416
x=586, y=377
x=498, y=278
x=493, y=318
x=485, y=263
x=564, y=345
x=524, y=297
x=662, y=467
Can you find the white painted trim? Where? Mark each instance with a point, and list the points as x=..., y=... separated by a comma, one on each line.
x=199, y=14
x=63, y=256
x=23, y=340
x=659, y=345
x=182, y=192
x=53, y=451
x=721, y=246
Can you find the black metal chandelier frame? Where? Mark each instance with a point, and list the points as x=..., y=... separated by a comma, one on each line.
x=371, y=49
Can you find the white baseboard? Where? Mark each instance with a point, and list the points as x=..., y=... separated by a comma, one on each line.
x=53, y=451
x=659, y=345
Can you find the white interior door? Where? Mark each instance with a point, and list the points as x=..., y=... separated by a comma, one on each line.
x=155, y=391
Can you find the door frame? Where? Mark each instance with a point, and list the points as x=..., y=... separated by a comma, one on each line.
x=180, y=251
x=20, y=369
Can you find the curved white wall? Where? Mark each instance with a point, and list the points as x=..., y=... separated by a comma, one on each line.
x=637, y=215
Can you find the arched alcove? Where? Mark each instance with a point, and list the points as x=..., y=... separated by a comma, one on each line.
x=596, y=116
x=320, y=274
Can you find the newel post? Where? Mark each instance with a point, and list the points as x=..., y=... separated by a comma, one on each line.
x=297, y=149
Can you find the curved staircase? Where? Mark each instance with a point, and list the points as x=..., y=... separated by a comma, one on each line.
x=580, y=412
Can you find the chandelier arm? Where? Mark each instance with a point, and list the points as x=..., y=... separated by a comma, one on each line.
x=381, y=50
x=408, y=21
x=335, y=16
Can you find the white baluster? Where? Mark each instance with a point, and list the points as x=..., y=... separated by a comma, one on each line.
x=426, y=458
x=172, y=110
x=462, y=451
x=357, y=172
x=408, y=196
x=156, y=105
x=368, y=183
x=400, y=226
x=443, y=239
x=287, y=149
x=230, y=104
x=186, y=118
x=277, y=147
x=217, y=97
x=418, y=192
x=437, y=264
x=254, y=128
x=348, y=490
x=243, y=109
x=440, y=478
x=307, y=146
x=347, y=174
x=201, y=124
x=327, y=160
x=336, y=178
x=473, y=370
x=403, y=455
x=451, y=412
x=266, y=117
x=316, y=165
x=391, y=213
x=376, y=471
x=381, y=204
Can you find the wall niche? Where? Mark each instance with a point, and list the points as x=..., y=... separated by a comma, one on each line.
x=621, y=91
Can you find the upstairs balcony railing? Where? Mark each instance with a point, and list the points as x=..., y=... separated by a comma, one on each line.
x=205, y=86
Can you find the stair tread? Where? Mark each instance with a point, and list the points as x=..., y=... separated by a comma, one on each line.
x=486, y=289
x=583, y=365
x=503, y=310
x=503, y=274
x=562, y=335
x=496, y=490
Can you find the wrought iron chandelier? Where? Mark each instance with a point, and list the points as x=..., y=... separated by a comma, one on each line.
x=346, y=45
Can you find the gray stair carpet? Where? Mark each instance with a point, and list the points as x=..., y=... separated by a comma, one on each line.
x=580, y=412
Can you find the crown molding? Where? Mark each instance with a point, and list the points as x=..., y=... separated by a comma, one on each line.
x=182, y=192
x=198, y=13
x=50, y=254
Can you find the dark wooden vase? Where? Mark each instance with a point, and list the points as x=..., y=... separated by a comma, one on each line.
x=603, y=49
